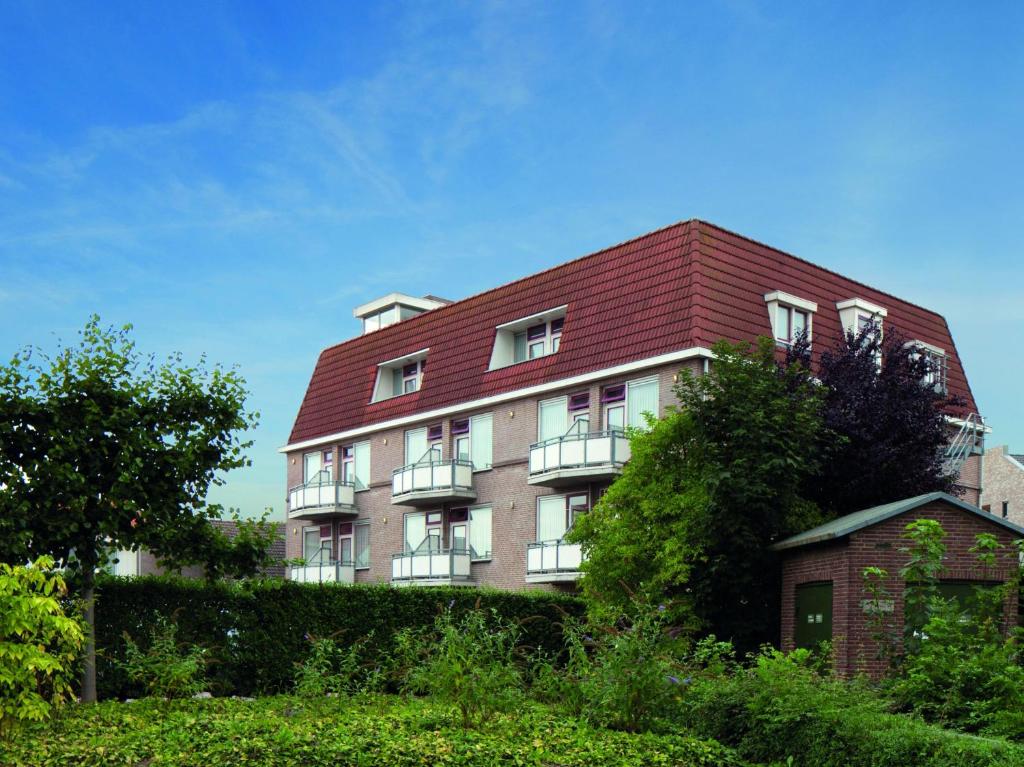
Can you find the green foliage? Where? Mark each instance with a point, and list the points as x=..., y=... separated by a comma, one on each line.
x=470, y=662
x=720, y=480
x=921, y=577
x=877, y=618
x=330, y=732
x=165, y=669
x=963, y=668
x=331, y=669
x=781, y=710
x=255, y=630
x=39, y=644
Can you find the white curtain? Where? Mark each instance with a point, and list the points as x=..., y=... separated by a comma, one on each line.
x=550, y=518
x=480, y=532
x=641, y=397
x=415, y=530
x=553, y=418
x=415, y=445
x=481, y=440
x=361, y=458
x=362, y=545
x=310, y=465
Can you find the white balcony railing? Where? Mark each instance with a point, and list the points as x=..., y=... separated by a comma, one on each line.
x=328, y=572
x=435, y=479
x=447, y=566
x=600, y=451
x=553, y=558
x=321, y=496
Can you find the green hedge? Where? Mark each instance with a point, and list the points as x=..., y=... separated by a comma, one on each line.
x=257, y=630
x=376, y=731
x=774, y=713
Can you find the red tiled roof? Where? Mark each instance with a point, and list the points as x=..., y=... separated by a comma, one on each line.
x=690, y=284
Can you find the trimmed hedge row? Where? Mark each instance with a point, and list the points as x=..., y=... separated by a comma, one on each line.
x=378, y=731
x=256, y=630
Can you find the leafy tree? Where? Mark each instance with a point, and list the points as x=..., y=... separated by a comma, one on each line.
x=101, y=448
x=707, y=490
x=891, y=424
x=38, y=644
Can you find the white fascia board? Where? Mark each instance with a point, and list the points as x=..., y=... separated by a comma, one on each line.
x=985, y=428
x=405, y=358
x=778, y=296
x=529, y=391
x=523, y=322
x=1013, y=461
x=927, y=346
x=864, y=306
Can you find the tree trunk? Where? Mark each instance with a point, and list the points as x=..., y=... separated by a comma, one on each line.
x=89, y=667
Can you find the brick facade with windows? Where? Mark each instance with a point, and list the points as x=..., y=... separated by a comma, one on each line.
x=826, y=555
x=646, y=308
x=1003, y=473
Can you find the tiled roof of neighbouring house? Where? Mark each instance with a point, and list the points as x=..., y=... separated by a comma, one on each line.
x=688, y=285
x=851, y=523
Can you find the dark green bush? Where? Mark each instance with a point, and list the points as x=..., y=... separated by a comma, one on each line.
x=369, y=731
x=256, y=632
x=782, y=708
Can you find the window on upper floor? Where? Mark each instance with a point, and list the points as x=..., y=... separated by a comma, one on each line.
x=528, y=338
x=355, y=465
x=403, y=375
x=556, y=514
x=473, y=440
x=857, y=316
x=790, y=316
x=317, y=466
x=938, y=364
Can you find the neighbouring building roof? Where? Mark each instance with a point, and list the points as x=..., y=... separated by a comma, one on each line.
x=685, y=286
x=858, y=520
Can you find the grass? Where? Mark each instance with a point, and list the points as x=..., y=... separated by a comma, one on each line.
x=286, y=731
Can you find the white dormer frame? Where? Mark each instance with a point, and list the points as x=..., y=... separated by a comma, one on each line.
x=503, y=353
x=938, y=377
x=383, y=387
x=777, y=300
x=851, y=310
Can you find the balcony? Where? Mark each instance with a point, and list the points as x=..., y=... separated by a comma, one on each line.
x=578, y=457
x=553, y=562
x=321, y=499
x=430, y=483
x=327, y=572
x=431, y=568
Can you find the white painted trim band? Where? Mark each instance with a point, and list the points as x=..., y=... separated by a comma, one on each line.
x=529, y=391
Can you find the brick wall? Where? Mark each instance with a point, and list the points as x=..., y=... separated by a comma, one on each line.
x=1003, y=482
x=504, y=487
x=843, y=562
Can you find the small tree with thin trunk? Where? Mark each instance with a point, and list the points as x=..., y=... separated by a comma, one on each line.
x=102, y=448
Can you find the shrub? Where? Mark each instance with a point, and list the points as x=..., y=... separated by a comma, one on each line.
x=470, y=662
x=165, y=668
x=255, y=630
x=331, y=669
x=626, y=676
x=39, y=644
x=781, y=708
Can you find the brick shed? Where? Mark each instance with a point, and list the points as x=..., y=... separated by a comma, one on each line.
x=822, y=588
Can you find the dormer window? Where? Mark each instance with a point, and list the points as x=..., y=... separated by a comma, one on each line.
x=857, y=315
x=938, y=365
x=528, y=338
x=400, y=376
x=790, y=316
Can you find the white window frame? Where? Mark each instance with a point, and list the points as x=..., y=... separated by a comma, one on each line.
x=570, y=517
x=469, y=533
x=350, y=468
x=777, y=302
x=504, y=352
x=636, y=382
x=938, y=377
x=564, y=399
x=384, y=387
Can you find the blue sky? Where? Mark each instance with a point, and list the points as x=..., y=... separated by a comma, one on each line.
x=233, y=178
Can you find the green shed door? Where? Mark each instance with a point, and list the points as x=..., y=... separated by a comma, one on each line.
x=813, y=614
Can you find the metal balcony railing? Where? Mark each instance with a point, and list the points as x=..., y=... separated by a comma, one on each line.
x=320, y=568
x=432, y=476
x=576, y=450
x=439, y=565
x=321, y=493
x=553, y=557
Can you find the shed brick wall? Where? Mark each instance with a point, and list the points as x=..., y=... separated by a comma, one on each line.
x=843, y=562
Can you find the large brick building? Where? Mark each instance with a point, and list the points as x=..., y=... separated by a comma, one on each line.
x=454, y=442
x=823, y=594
